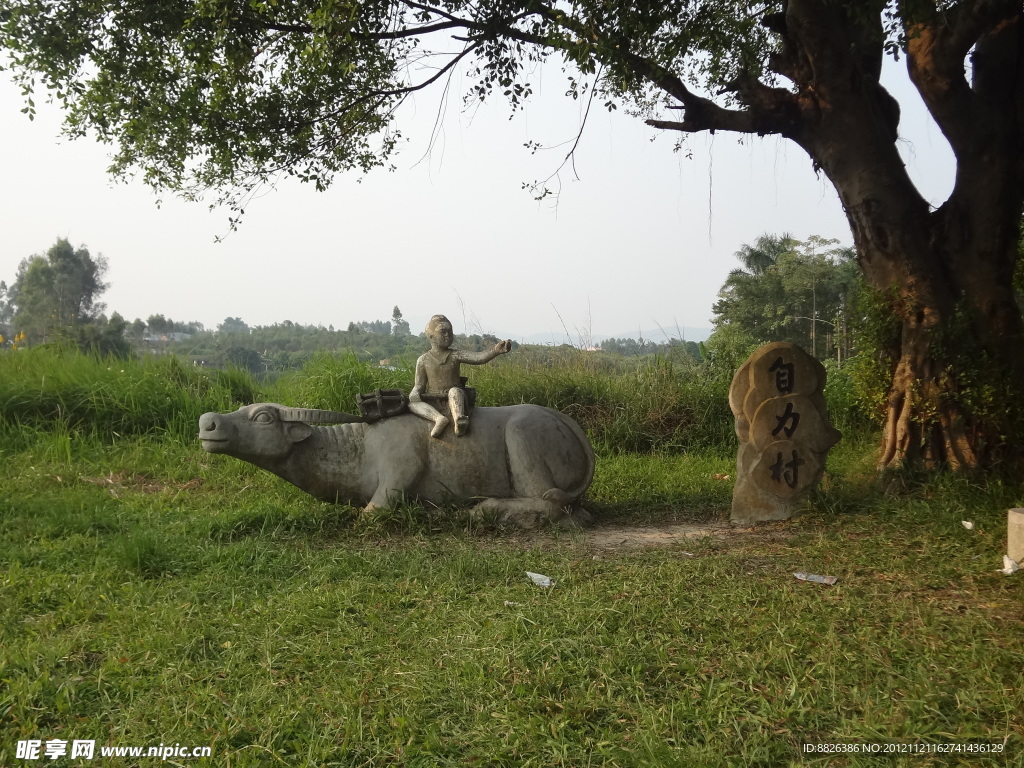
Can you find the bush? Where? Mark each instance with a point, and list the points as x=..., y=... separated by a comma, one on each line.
x=846, y=406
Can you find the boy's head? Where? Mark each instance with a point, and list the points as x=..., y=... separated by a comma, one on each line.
x=439, y=330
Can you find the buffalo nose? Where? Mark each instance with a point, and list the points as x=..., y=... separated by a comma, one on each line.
x=208, y=422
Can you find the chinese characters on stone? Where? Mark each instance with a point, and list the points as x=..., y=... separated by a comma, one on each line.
x=782, y=424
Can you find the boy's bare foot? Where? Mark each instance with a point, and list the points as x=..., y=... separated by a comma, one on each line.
x=439, y=425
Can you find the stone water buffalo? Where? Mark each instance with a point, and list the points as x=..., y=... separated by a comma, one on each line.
x=523, y=464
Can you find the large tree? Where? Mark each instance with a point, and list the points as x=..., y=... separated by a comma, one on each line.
x=231, y=93
x=56, y=293
x=789, y=290
x=765, y=252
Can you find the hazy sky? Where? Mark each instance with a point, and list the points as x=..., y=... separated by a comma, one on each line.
x=643, y=239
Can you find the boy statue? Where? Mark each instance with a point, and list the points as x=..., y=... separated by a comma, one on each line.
x=437, y=373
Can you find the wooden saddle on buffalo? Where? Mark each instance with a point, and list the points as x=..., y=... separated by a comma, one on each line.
x=382, y=403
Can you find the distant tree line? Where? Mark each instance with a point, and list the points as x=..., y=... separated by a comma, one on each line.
x=787, y=290
x=637, y=348
x=288, y=345
x=54, y=299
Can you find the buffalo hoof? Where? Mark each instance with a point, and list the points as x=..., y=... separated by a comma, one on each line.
x=531, y=513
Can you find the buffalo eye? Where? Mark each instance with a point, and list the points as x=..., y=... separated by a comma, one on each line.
x=263, y=417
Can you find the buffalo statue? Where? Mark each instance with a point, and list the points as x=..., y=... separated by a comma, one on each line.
x=523, y=464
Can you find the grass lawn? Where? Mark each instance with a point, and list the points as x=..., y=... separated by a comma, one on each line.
x=151, y=593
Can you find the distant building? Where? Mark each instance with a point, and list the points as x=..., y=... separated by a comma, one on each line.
x=155, y=338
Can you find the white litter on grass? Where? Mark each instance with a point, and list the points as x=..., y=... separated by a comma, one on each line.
x=830, y=580
x=967, y=524
x=1010, y=566
x=510, y=604
x=540, y=579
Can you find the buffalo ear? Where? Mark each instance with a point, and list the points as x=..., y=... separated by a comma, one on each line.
x=297, y=431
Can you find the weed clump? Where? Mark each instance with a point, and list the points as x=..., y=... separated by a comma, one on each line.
x=142, y=553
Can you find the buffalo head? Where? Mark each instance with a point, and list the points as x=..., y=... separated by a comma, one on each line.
x=262, y=429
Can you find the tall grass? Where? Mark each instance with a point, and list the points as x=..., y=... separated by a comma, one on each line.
x=652, y=404
x=655, y=404
x=333, y=381
x=63, y=390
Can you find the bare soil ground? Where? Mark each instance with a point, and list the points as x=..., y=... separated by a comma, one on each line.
x=619, y=537
x=625, y=538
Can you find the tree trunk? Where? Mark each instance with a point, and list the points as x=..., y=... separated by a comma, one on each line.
x=956, y=364
x=953, y=374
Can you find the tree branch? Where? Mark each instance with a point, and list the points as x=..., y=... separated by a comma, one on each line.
x=302, y=29
x=962, y=24
x=433, y=10
x=701, y=114
x=767, y=110
x=380, y=97
x=936, y=48
x=767, y=107
x=571, y=154
x=455, y=60
x=426, y=29
x=397, y=34
x=704, y=115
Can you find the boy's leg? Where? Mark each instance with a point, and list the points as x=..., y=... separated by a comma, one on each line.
x=457, y=403
x=430, y=413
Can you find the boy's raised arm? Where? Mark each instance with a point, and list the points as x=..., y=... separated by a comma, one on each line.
x=477, y=358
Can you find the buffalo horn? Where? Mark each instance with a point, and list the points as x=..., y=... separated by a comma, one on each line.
x=315, y=415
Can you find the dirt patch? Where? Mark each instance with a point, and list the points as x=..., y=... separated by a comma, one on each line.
x=618, y=537
x=628, y=538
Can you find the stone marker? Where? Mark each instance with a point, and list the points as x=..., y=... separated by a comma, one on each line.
x=782, y=424
x=1015, y=535
x=521, y=464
